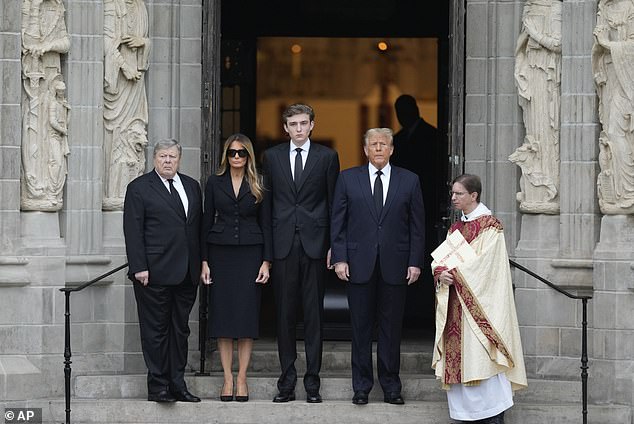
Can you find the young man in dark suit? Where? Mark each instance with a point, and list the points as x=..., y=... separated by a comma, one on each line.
x=378, y=243
x=301, y=178
x=161, y=224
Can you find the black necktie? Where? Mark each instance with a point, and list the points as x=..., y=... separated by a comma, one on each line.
x=175, y=196
x=297, y=174
x=378, y=193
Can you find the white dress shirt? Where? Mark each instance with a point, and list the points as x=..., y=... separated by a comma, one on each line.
x=292, y=153
x=385, y=178
x=178, y=185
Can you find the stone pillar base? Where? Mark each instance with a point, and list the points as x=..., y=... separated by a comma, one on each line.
x=539, y=236
x=20, y=379
x=113, y=240
x=41, y=230
x=617, y=238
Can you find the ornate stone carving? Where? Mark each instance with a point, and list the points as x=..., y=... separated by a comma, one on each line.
x=612, y=64
x=126, y=58
x=44, y=107
x=538, y=79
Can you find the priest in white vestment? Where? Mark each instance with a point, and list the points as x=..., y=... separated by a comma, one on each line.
x=477, y=350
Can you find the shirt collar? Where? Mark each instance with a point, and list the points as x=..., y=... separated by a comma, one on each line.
x=386, y=169
x=305, y=146
x=176, y=178
x=479, y=211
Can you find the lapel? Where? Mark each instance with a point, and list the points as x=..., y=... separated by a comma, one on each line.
x=226, y=186
x=244, y=189
x=157, y=184
x=284, y=163
x=363, y=177
x=392, y=190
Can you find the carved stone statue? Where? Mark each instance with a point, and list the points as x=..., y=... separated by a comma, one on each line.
x=612, y=64
x=44, y=131
x=538, y=79
x=58, y=137
x=126, y=54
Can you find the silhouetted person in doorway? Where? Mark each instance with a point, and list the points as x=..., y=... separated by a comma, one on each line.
x=419, y=148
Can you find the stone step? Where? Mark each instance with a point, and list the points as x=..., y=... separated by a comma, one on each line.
x=415, y=358
x=340, y=412
x=416, y=387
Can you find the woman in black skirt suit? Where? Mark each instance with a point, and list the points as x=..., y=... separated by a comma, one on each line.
x=236, y=253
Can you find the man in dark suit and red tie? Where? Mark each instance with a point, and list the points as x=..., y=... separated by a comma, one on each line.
x=161, y=224
x=301, y=177
x=378, y=244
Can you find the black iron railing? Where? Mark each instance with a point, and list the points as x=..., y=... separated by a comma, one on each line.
x=584, y=334
x=67, y=351
x=203, y=332
x=202, y=327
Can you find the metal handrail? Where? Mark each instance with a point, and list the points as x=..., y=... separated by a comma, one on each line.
x=584, y=333
x=67, y=352
x=202, y=328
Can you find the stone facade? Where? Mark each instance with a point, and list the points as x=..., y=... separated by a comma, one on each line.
x=579, y=248
x=41, y=252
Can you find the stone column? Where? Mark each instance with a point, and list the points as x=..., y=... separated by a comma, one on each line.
x=81, y=217
x=492, y=117
x=613, y=303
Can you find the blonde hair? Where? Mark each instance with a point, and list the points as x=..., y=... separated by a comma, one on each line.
x=253, y=177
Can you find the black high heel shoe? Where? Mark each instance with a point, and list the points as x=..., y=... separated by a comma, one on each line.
x=243, y=398
x=226, y=398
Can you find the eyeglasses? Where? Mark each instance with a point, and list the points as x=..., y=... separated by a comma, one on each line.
x=458, y=193
x=233, y=152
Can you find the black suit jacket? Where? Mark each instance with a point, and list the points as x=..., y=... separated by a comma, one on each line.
x=158, y=238
x=306, y=207
x=358, y=235
x=234, y=220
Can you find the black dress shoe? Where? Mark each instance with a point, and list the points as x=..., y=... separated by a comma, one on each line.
x=313, y=397
x=394, y=399
x=284, y=397
x=162, y=396
x=360, y=398
x=185, y=396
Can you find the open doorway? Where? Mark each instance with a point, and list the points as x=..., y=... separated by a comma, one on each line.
x=352, y=83
x=350, y=61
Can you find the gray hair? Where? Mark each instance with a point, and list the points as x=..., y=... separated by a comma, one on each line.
x=385, y=132
x=167, y=143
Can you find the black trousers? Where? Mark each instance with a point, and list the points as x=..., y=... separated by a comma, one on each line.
x=164, y=324
x=299, y=279
x=376, y=302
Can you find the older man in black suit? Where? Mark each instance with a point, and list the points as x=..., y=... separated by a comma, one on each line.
x=378, y=244
x=301, y=177
x=161, y=223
